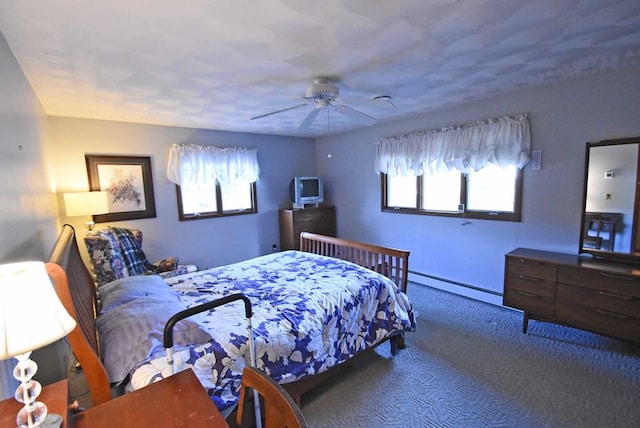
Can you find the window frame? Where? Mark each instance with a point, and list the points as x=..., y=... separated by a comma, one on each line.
x=220, y=209
x=514, y=216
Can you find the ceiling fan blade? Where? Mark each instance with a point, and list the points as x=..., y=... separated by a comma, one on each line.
x=309, y=119
x=278, y=111
x=354, y=114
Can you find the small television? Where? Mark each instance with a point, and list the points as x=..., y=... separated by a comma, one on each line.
x=306, y=190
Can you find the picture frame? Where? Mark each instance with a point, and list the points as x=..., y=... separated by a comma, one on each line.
x=129, y=183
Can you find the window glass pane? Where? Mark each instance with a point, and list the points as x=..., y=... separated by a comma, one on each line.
x=441, y=191
x=402, y=191
x=198, y=198
x=236, y=197
x=492, y=189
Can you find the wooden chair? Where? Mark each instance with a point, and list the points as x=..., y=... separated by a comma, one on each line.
x=110, y=262
x=279, y=409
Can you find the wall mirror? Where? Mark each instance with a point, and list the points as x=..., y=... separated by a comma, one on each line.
x=609, y=225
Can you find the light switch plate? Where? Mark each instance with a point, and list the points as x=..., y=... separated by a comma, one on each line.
x=536, y=160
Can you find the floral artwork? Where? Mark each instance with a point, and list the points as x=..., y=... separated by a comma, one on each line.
x=128, y=181
x=122, y=190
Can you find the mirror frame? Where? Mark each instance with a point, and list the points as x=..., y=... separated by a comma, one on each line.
x=630, y=255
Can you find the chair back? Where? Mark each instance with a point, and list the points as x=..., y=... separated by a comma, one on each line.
x=116, y=253
x=279, y=409
x=107, y=259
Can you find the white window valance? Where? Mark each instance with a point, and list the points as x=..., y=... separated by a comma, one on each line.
x=193, y=164
x=501, y=141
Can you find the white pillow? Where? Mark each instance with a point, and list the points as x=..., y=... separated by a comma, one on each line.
x=126, y=289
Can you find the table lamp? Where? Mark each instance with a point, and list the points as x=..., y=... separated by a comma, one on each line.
x=86, y=204
x=31, y=316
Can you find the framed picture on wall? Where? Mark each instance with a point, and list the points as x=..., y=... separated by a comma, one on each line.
x=128, y=182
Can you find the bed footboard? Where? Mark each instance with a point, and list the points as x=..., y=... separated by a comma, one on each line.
x=392, y=263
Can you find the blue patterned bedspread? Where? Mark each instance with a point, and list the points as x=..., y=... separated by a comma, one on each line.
x=310, y=313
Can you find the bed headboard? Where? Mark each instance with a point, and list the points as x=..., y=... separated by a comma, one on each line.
x=390, y=262
x=75, y=287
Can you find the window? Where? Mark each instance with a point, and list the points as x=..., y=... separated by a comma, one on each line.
x=213, y=182
x=196, y=201
x=491, y=193
x=472, y=170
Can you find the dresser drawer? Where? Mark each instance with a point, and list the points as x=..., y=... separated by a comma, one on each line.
x=611, y=323
x=531, y=268
x=315, y=220
x=529, y=294
x=619, y=284
x=600, y=300
x=531, y=285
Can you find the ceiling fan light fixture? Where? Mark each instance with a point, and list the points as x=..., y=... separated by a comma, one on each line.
x=322, y=89
x=323, y=94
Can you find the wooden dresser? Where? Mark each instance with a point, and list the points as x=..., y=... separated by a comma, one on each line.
x=592, y=294
x=321, y=220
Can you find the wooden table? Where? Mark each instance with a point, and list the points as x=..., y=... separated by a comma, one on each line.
x=55, y=396
x=177, y=401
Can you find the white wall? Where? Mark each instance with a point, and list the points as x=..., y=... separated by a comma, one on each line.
x=207, y=242
x=27, y=214
x=563, y=118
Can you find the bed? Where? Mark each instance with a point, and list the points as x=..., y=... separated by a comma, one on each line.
x=314, y=311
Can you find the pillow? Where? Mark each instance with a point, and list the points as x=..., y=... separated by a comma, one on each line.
x=166, y=265
x=133, y=331
x=129, y=288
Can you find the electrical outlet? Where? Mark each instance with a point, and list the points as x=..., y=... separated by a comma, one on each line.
x=274, y=248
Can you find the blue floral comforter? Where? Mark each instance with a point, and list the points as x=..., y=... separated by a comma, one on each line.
x=310, y=313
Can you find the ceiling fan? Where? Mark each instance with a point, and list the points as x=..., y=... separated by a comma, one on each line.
x=324, y=95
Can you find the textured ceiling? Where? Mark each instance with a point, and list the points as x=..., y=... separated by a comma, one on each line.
x=215, y=64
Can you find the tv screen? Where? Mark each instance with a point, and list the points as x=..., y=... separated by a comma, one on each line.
x=306, y=190
x=309, y=187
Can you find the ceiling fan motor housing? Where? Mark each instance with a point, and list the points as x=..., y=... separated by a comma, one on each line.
x=322, y=89
x=323, y=93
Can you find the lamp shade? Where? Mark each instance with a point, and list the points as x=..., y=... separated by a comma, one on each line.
x=31, y=315
x=85, y=203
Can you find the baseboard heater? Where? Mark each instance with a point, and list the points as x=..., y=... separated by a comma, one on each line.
x=468, y=290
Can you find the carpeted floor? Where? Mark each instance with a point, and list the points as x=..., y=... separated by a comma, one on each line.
x=469, y=365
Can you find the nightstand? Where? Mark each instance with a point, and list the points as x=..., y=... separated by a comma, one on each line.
x=55, y=396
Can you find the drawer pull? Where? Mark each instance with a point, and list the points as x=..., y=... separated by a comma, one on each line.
x=612, y=314
x=529, y=278
x=530, y=262
x=524, y=293
x=611, y=275
x=614, y=295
